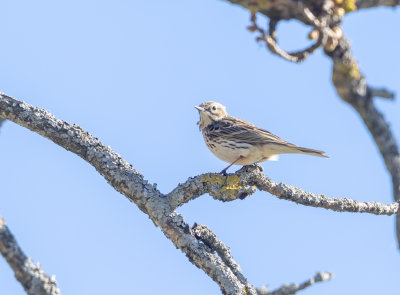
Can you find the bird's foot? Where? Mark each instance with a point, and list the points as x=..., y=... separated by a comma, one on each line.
x=254, y=165
x=258, y=166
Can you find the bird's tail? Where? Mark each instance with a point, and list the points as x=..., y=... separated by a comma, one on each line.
x=311, y=152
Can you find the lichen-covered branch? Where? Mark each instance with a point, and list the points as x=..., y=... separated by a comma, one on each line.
x=245, y=180
x=282, y=10
x=30, y=275
x=204, y=234
x=352, y=87
x=288, y=10
x=294, y=288
x=126, y=180
x=199, y=244
x=223, y=188
x=350, y=84
x=376, y=3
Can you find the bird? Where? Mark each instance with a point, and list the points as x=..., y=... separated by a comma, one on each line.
x=239, y=142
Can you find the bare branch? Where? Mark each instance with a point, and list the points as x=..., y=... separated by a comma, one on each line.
x=350, y=84
x=352, y=87
x=160, y=208
x=376, y=3
x=381, y=92
x=1, y=121
x=222, y=188
x=299, y=196
x=271, y=40
x=204, y=234
x=282, y=9
x=294, y=288
x=31, y=276
x=125, y=179
x=317, y=24
x=230, y=187
x=287, y=9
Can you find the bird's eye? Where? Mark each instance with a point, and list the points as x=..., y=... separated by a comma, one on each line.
x=214, y=108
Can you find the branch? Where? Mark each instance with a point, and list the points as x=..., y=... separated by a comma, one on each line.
x=230, y=187
x=381, y=92
x=376, y=3
x=222, y=188
x=282, y=9
x=294, y=288
x=31, y=276
x=352, y=87
x=160, y=208
x=204, y=234
x=287, y=9
x=350, y=84
x=271, y=40
x=125, y=179
x=129, y=182
x=1, y=121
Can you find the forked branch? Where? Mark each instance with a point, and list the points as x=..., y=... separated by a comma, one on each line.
x=199, y=243
x=270, y=39
x=350, y=83
x=244, y=181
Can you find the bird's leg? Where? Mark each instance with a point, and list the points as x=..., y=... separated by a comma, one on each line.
x=223, y=172
x=256, y=165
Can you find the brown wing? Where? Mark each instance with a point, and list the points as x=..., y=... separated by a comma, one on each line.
x=232, y=128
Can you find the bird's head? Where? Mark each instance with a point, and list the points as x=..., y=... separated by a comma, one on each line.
x=209, y=112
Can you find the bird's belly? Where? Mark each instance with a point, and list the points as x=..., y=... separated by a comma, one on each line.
x=231, y=152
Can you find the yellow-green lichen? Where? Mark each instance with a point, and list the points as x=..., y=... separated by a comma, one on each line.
x=347, y=5
x=351, y=70
x=230, y=189
x=263, y=3
x=255, y=6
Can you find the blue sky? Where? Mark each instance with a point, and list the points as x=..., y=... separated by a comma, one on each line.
x=130, y=72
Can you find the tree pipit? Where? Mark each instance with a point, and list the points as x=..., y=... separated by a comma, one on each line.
x=239, y=142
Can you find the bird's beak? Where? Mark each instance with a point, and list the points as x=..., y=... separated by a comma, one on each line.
x=200, y=109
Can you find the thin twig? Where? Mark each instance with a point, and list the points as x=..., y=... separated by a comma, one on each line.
x=294, y=288
x=271, y=40
x=381, y=92
x=30, y=275
x=2, y=120
x=297, y=56
x=204, y=234
x=322, y=28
